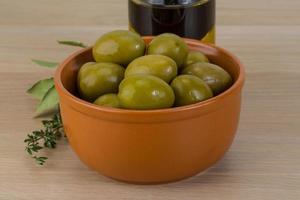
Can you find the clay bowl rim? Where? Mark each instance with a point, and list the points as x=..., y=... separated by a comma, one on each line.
x=191, y=42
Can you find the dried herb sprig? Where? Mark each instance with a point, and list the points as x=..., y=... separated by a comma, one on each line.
x=45, y=92
x=45, y=138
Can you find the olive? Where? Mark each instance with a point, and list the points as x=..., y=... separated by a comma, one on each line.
x=190, y=89
x=119, y=47
x=144, y=92
x=195, y=56
x=216, y=77
x=96, y=79
x=170, y=45
x=157, y=65
x=108, y=100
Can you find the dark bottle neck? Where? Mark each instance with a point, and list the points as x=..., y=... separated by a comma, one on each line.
x=170, y=2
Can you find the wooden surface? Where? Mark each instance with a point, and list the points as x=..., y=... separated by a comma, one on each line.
x=264, y=161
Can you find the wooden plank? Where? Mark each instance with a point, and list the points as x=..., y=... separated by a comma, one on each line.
x=263, y=162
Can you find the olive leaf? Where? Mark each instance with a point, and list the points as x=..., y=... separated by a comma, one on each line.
x=49, y=103
x=72, y=43
x=40, y=88
x=44, y=63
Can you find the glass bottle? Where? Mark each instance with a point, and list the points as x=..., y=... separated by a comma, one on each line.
x=187, y=18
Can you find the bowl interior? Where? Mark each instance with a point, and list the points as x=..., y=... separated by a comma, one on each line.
x=70, y=71
x=215, y=54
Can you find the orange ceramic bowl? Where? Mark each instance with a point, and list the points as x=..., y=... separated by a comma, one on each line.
x=151, y=146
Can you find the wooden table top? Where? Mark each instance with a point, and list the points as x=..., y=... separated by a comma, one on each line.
x=264, y=161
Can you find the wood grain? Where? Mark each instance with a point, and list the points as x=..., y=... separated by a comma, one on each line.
x=264, y=161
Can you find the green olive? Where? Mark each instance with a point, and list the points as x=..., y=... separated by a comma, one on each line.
x=157, y=65
x=119, y=47
x=144, y=92
x=96, y=79
x=195, y=56
x=216, y=77
x=170, y=45
x=190, y=89
x=108, y=100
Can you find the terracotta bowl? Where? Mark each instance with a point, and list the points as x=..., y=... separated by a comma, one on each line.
x=151, y=146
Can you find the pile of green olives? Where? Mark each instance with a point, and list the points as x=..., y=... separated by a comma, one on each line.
x=129, y=74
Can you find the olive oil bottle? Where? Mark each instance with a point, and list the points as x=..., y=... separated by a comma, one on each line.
x=187, y=18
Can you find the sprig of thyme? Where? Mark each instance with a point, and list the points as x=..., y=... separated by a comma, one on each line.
x=45, y=92
x=45, y=138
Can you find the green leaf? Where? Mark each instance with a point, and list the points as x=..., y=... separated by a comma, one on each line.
x=44, y=63
x=40, y=160
x=49, y=103
x=40, y=88
x=72, y=43
x=29, y=151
